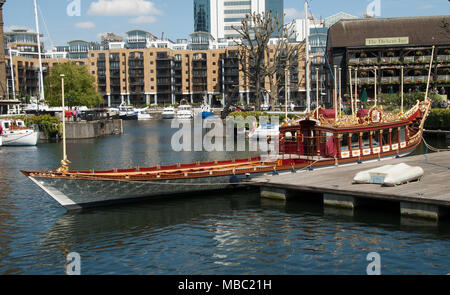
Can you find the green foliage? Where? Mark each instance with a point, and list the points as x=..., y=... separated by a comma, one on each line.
x=392, y=101
x=438, y=119
x=78, y=84
x=45, y=123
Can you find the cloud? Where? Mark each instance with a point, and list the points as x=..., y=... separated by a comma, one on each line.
x=143, y=19
x=292, y=13
x=123, y=8
x=85, y=25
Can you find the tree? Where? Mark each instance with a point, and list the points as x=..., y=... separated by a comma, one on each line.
x=255, y=55
x=78, y=84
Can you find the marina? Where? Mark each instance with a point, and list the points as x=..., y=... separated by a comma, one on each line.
x=266, y=141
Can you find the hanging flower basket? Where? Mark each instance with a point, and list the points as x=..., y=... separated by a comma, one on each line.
x=390, y=54
x=363, y=54
x=390, y=72
x=447, y=51
x=419, y=52
x=363, y=74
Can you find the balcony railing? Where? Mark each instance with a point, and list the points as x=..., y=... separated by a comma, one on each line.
x=443, y=79
x=390, y=80
x=416, y=79
x=390, y=60
x=443, y=58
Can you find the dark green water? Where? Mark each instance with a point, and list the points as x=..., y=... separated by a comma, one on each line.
x=198, y=234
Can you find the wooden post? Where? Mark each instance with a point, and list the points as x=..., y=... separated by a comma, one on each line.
x=351, y=89
x=401, y=89
x=375, y=89
x=317, y=88
x=340, y=92
x=335, y=94
x=350, y=135
x=356, y=90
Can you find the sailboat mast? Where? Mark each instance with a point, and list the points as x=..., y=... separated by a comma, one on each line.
x=41, y=79
x=308, y=90
x=12, y=73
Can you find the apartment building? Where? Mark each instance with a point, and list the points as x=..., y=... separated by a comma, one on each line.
x=218, y=17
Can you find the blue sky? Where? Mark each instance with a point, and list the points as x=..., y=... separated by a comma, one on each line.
x=174, y=18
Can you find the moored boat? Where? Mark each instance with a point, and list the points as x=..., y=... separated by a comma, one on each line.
x=168, y=113
x=323, y=138
x=15, y=133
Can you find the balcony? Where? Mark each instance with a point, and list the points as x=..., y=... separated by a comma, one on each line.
x=443, y=58
x=416, y=79
x=443, y=79
x=390, y=80
x=366, y=81
x=422, y=59
x=390, y=60
x=363, y=61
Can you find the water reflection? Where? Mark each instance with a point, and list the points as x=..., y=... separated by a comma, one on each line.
x=235, y=233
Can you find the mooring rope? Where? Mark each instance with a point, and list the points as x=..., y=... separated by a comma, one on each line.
x=433, y=148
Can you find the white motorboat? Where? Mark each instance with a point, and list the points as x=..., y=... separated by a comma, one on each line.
x=168, y=113
x=264, y=130
x=185, y=112
x=127, y=113
x=143, y=114
x=15, y=133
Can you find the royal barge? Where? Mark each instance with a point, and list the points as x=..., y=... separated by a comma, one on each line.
x=317, y=140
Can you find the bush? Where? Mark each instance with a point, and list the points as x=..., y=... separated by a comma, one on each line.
x=392, y=101
x=45, y=123
x=439, y=119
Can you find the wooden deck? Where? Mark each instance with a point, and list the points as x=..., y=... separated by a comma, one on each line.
x=432, y=190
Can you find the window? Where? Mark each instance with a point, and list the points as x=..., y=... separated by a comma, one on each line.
x=376, y=138
x=344, y=142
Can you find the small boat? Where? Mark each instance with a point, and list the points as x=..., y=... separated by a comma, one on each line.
x=127, y=113
x=206, y=111
x=264, y=130
x=185, y=112
x=390, y=175
x=168, y=113
x=143, y=114
x=15, y=133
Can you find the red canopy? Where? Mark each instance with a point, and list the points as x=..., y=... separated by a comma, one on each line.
x=362, y=113
x=327, y=113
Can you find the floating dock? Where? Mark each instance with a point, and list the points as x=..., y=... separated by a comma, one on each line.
x=428, y=198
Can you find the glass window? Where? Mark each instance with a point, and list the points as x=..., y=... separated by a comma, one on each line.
x=344, y=142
